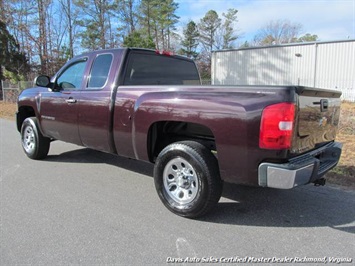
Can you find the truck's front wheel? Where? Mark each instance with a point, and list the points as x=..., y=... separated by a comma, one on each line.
x=35, y=145
x=187, y=179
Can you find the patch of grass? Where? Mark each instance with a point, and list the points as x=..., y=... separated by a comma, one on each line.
x=344, y=173
x=347, y=119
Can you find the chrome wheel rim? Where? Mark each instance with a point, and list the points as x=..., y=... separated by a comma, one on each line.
x=180, y=181
x=28, y=139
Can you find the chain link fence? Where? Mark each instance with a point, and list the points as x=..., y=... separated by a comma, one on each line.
x=10, y=91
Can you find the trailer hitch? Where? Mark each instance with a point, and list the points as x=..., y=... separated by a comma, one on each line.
x=319, y=182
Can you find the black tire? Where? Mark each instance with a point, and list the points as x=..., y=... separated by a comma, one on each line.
x=34, y=144
x=187, y=179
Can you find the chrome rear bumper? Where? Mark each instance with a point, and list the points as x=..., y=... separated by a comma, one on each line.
x=300, y=170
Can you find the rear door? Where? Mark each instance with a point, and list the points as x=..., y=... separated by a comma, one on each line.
x=95, y=104
x=318, y=118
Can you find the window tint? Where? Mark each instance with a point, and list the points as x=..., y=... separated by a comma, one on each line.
x=152, y=69
x=99, y=71
x=72, y=77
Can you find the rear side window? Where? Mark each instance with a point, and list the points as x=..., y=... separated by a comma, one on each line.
x=99, y=71
x=152, y=69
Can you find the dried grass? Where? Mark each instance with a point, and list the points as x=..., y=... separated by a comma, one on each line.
x=7, y=110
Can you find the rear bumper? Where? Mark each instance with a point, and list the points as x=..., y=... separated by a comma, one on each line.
x=300, y=170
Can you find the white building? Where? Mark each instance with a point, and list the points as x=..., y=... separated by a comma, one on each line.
x=318, y=64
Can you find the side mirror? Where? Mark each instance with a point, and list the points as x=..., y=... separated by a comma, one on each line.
x=42, y=81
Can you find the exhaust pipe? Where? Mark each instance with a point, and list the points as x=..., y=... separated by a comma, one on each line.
x=319, y=182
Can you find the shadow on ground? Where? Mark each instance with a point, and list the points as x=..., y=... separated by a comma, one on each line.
x=306, y=206
x=85, y=155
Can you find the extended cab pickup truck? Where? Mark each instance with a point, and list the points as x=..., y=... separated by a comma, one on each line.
x=150, y=106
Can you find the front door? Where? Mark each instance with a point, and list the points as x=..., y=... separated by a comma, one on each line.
x=59, y=108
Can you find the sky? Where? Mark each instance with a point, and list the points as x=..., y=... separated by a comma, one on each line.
x=329, y=19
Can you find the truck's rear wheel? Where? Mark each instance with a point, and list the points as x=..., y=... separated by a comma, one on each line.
x=187, y=179
x=35, y=145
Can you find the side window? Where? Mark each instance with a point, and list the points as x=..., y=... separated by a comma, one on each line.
x=72, y=77
x=99, y=71
x=152, y=69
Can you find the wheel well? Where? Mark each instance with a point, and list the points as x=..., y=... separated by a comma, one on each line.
x=23, y=113
x=163, y=133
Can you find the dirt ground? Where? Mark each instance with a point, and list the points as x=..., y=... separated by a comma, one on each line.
x=7, y=110
x=342, y=175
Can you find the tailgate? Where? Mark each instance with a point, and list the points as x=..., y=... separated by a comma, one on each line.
x=317, y=118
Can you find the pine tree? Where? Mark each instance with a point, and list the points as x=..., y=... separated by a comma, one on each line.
x=208, y=28
x=190, y=41
x=96, y=23
x=148, y=17
x=11, y=58
x=135, y=39
x=308, y=38
x=158, y=19
x=127, y=11
x=228, y=31
x=167, y=21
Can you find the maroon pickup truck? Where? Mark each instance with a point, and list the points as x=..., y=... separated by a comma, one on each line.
x=150, y=106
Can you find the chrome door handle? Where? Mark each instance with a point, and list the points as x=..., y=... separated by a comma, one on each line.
x=71, y=100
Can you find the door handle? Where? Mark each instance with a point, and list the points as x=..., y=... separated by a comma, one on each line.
x=71, y=100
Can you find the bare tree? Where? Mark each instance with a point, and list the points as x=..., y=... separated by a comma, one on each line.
x=278, y=32
x=41, y=42
x=70, y=19
x=20, y=18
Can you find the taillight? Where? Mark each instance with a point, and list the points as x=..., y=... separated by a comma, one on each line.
x=164, y=52
x=276, y=126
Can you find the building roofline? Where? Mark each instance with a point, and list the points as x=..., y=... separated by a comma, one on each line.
x=284, y=45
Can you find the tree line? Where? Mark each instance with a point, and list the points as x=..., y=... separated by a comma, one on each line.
x=39, y=36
